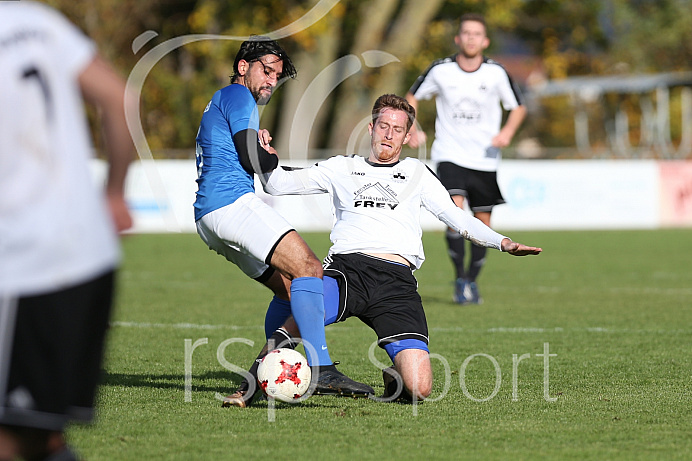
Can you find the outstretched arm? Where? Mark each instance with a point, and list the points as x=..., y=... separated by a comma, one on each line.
x=302, y=181
x=473, y=229
x=518, y=249
x=436, y=199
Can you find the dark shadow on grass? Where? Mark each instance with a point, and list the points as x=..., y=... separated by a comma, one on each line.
x=316, y=401
x=427, y=299
x=230, y=383
x=174, y=381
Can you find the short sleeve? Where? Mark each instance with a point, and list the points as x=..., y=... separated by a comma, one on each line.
x=73, y=49
x=239, y=108
x=510, y=94
x=425, y=86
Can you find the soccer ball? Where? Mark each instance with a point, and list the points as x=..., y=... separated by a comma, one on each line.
x=284, y=374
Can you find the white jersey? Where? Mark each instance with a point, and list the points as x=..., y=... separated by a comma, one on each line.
x=54, y=229
x=377, y=207
x=469, y=114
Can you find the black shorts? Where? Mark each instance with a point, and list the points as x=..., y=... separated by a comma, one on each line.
x=51, y=348
x=382, y=294
x=479, y=187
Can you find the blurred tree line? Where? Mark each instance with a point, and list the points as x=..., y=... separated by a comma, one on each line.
x=339, y=76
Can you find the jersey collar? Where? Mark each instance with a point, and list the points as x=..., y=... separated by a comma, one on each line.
x=380, y=164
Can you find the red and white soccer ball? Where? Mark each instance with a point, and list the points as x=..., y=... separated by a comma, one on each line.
x=284, y=374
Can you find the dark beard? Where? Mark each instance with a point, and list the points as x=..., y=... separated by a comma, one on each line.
x=260, y=99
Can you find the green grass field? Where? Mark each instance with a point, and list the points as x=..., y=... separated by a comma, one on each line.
x=614, y=307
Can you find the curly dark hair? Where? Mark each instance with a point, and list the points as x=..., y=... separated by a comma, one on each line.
x=257, y=46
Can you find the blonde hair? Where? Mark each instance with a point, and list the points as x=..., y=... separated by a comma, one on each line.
x=392, y=101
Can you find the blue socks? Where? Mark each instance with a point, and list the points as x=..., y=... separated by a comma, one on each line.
x=331, y=300
x=307, y=306
x=277, y=313
x=308, y=294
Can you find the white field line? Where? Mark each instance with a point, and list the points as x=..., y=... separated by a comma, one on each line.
x=618, y=290
x=653, y=290
x=558, y=330
x=183, y=326
x=603, y=330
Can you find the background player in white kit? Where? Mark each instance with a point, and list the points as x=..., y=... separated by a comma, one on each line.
x=377, y=238
x=468, y=89
x=58, y=242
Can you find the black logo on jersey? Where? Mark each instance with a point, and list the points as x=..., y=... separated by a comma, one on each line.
x=399, y=175
x=375, y=196
x=483, y=87
x=358, y=173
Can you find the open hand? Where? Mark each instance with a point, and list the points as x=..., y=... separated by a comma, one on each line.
x=518, y=249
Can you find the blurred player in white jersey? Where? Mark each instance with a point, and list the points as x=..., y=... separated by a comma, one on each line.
x=468, y=89
x=58, y=232
x=377, y=243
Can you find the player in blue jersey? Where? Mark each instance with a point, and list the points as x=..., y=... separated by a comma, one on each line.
x=235, y=223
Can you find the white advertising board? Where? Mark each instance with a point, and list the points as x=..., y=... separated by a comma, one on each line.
x=578, y=194
x=540, y=194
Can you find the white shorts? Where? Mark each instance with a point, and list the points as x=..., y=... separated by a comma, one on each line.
x=245, y=233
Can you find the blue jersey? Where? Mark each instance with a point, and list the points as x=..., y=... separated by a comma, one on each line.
x=221, y=179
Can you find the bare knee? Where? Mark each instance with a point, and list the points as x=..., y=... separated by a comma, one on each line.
x=304, y=265
x=311, y=267
x=294, y=258
x=416, y=371
x=418, y=387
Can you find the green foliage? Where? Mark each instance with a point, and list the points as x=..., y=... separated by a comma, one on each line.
x=614, y=306
x=653, y=36
x=569, y=38
x=567, y=35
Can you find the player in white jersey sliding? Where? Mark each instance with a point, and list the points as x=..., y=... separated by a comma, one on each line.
x=468, y=89
x=377, y=240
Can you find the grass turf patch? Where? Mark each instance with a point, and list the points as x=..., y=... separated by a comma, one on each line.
x=614, y=307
